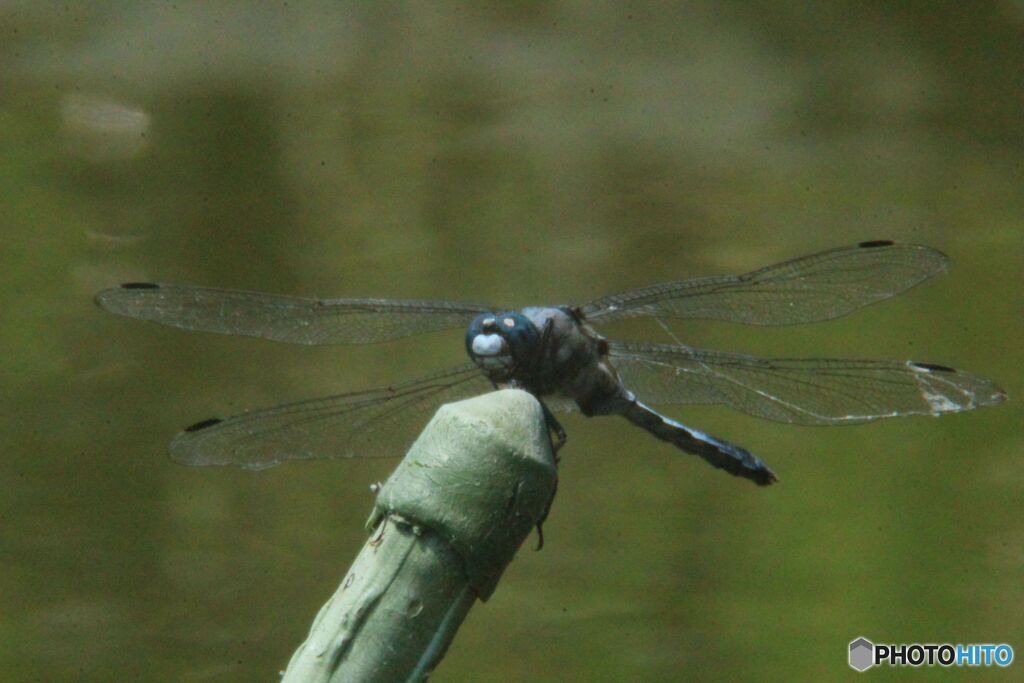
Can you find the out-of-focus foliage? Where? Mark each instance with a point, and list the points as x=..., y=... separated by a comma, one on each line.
x=522, y=153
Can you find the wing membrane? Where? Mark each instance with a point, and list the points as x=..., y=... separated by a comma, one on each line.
x=818, y=287
x=284, y=318
x=800, y=391
x=345, y=426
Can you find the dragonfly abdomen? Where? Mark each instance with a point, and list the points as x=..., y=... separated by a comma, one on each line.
x=717, y=452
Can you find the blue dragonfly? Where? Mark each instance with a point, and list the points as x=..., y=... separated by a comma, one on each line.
x=556, y=353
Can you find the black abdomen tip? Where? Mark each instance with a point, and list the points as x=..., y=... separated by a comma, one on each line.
x=140, y=285
x=765, y=477
x=204, y=424
x=870, y=244
x=932, y=367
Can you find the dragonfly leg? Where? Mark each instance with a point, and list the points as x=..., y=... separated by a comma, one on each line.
x=555, y=430
x=544, y=516
x=558, y=438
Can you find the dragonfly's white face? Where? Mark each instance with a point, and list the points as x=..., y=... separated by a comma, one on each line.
x=488, y=345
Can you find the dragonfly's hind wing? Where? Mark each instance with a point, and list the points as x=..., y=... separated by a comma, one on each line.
x=376, y=423
x=817, y=287
x=801, y=391
x=292, y=319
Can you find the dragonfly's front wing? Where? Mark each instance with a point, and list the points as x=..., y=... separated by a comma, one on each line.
x=292, y=319
x=816, y=287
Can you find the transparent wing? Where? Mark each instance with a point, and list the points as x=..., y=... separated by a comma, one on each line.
x=801, y=391
x=375, y=423
x=818, y=287
x=284, y=318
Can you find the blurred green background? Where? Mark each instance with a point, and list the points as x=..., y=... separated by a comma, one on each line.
x=519, y=153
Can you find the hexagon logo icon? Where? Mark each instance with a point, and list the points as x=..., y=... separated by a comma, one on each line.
x=862, y=654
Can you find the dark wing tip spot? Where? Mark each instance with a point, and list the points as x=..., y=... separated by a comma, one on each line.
x=204, y=424
x=932, y=367
x=140, y=285
x=870, y=244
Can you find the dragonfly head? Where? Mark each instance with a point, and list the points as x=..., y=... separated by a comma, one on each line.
x=498, y=343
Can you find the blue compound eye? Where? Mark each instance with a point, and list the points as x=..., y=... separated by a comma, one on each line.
x=519, y=331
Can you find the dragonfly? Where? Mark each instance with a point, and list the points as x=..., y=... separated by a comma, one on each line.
x=557, y=354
